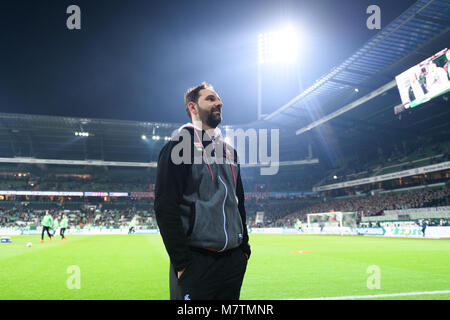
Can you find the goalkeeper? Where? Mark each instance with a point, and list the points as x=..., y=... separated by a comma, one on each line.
x=47, y=223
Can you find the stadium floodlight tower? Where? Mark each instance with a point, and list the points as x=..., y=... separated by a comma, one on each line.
x=275, y=47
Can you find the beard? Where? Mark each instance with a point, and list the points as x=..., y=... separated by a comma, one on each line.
x=209, y=117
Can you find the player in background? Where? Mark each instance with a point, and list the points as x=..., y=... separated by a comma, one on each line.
x=321, y=224
x=63, y=226
x=55, y=226
x=424, y=227
x=132, y=225
x=47, y=223
x=299, y=225
x=423, y=224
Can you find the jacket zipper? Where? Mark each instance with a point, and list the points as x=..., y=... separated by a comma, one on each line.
x=224, y=216
x=240, y=220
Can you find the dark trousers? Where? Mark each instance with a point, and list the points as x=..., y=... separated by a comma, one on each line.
x=61, y=232
x=48, y=232
x=210, y=276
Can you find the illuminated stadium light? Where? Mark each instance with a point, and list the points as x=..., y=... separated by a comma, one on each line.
x=356, y=90
x=278, y=46
x=144, y=137
x=156, y=137
x=82, y=134
x=167, y=138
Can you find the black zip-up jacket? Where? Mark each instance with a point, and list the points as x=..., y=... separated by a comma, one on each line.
x=199, y=204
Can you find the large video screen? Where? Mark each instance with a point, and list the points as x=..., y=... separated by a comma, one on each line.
x=424, y=81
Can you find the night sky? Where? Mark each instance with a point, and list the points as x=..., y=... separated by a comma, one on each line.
x=133, y=60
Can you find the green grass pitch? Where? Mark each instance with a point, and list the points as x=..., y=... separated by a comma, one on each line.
x=137, y=266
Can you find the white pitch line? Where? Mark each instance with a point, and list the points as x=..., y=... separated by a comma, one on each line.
x=380, y=295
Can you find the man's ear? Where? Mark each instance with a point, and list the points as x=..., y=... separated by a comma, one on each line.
x=192, y=106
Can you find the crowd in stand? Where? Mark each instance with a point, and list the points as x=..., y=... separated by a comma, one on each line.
x=277, y=212
x=274, y=209
x=35, y=183
x=87, y=217
x=391, y=158
x=372, y=205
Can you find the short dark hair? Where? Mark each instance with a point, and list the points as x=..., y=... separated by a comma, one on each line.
x=192, y=95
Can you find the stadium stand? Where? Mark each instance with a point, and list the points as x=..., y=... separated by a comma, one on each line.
x=353, y=147
x=375, y=205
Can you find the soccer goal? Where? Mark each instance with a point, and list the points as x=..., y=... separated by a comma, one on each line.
x=331, y=222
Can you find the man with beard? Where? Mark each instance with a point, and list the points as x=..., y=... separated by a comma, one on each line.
x=199, y=205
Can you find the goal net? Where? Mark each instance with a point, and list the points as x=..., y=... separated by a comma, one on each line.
x=331, y=222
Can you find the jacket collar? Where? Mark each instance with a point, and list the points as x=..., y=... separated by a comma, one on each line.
x=217, y=131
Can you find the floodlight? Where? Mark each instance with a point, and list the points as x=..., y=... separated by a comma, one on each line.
x=278, y=46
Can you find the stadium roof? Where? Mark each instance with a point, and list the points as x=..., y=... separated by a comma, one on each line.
x=52, y=137
x=418, y=33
